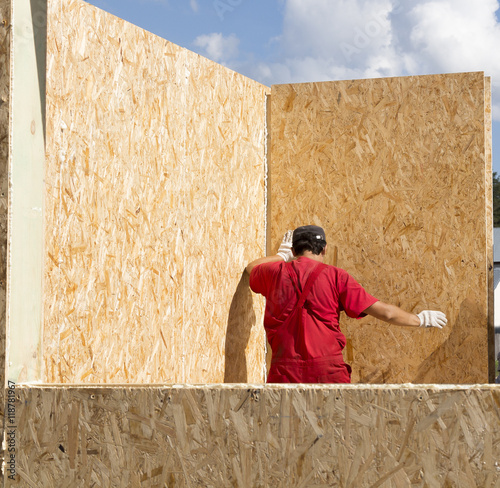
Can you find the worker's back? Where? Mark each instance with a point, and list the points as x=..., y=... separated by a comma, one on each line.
x=312, y=332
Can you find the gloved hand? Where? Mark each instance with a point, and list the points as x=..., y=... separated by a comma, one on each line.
x=431, y=318
x=285, y=250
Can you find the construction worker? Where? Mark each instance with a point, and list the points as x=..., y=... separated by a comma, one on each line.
x=304, y=298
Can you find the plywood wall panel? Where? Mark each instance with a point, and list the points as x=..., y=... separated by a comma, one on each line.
x=488, y=142
x=155, y=177
x=5, y=49
x=221, y=224
x=248, y=436
x=394, y=170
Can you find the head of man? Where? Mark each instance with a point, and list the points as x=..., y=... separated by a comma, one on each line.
x=309, y=239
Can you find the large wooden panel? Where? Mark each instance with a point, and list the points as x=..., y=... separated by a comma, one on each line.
x=155, y=203
x=394, y=170
x=488, y=142
x=347, y=436
x=26, y=190
x=5, y=47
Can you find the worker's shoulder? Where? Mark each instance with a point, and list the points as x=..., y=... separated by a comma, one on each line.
x=307, y=263
x=335, y=271
x=273, y=265
x=334, y=268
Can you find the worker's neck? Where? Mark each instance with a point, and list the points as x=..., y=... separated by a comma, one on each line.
x=314, y=257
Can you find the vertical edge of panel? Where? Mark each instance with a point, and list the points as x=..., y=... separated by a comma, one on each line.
x=26, y=166
x=489, y=225
x=5, y=57
x=268, y=170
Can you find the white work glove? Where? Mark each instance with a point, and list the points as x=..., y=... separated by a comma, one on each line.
x=431, y=318
x=285, y=250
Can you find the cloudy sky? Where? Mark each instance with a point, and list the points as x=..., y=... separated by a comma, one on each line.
x=282, y=41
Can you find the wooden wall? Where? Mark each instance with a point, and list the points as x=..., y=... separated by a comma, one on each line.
x=5, y=47
x=488, y=141
x=246, y=436
x=26, y=190
x=155, y=202
x=395, y=171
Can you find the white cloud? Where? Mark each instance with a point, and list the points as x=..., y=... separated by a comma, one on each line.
x=343, y=39
x=324, y=40
x=217, y=47
x=320, y=27
x=457, y=36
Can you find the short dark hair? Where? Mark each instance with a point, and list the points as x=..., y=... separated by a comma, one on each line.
x=308, y=241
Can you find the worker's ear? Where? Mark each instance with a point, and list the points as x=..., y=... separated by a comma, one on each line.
x=293, y=252
x=323, y=252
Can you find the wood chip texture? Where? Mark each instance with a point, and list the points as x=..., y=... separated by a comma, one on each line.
x=395, y=171
x=248, y=436
x=155, y=202
x=488, y=141
x=5, y=47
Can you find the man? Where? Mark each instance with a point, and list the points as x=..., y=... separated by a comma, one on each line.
x=304, y=298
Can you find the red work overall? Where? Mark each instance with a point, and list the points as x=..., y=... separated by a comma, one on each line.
x=304, y=300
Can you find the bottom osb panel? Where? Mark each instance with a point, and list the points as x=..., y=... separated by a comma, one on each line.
x=250, y=436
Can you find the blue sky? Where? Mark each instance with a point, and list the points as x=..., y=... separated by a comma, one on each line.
x=287, y=41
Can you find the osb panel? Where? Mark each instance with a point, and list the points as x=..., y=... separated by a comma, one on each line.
x=394, y=170
x=247, y=436
x=155, y=203
x=5, y=47
x=488, y=142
